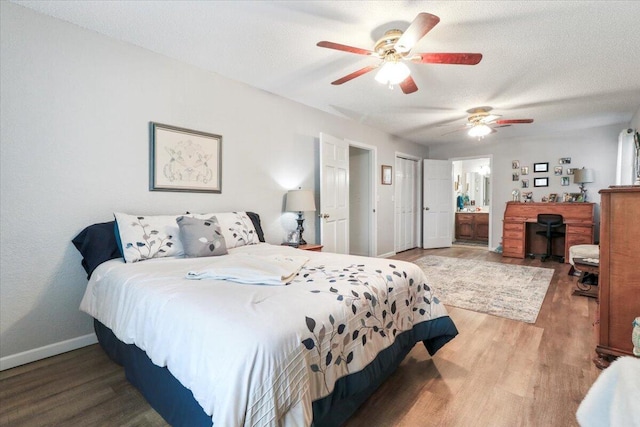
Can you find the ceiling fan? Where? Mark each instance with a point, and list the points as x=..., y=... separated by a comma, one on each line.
x=481, y=123
x=394, y=48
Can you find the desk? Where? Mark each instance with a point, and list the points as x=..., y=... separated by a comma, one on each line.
x=578, y=220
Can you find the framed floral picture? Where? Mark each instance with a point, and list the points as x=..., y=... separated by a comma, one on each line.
x=184, y=160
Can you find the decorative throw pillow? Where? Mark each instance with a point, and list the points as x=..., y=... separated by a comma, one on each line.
x=97, y=244
x=201, y=237
x=237, y=228
x=146, y=237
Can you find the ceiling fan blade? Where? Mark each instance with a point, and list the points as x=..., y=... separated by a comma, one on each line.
x=447, y=58
x=513, y=121
x=354, y=74
x=421, y=25
x=408, y=85
x=345, y=48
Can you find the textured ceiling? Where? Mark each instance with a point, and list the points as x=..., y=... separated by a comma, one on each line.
x=566, y=64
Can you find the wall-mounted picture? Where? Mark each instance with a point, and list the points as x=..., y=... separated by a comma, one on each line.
x=184, y=160
x=541, y=167
x=570, y=171
x=553, y=197
x=515, y=164
x=564, y=181
x=524, y=170
x=564, y=160
x=525, y=183
x=541, y=182
x=557, y=170
x=515, y=176
x=386, y=175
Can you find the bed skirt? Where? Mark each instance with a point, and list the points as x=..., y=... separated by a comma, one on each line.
x=178, y=407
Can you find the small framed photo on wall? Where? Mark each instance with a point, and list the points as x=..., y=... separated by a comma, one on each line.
x=525, y=183
x=564, y=160
x=524, y=170
x=541, y=182
x=515, y=164
x=541, y=167
x=557, y=170
x=515, y=176
x=565, y=181
x=386, y=175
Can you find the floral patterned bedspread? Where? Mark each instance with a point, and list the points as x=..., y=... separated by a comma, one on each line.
x=259, y=355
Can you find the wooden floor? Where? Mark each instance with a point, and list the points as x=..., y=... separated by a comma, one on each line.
x=496, y=372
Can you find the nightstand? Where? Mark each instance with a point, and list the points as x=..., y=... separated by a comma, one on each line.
x=311, y=247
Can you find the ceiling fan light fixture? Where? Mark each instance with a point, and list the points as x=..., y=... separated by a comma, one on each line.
x=392, y=73
x=479, y=131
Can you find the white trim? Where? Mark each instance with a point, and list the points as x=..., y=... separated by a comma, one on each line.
x=54, y=349
x=373, y=208
x=387, y=255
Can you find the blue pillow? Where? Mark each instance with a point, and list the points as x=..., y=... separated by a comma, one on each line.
x=97, y=243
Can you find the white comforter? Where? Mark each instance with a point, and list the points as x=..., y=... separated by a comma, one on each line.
x=258, y=355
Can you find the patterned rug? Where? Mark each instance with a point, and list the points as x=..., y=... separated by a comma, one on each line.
x=512, y=291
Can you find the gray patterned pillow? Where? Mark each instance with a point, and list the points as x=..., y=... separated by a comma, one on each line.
x=201, y=237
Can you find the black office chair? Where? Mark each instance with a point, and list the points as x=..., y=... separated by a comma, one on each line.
x=551, y=222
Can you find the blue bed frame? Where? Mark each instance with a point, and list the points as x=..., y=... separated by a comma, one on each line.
x=178, y=407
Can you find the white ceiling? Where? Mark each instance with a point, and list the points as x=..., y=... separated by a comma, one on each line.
x=566, y=64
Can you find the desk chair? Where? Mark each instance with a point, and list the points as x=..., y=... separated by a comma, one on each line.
x=551, y=222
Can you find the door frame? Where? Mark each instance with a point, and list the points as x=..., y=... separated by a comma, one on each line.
x=418, y=195
x=373, y=194
x=490, y=245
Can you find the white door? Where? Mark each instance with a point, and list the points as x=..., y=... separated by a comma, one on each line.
x=405, y=204
x=437, y=207
x=334, y=194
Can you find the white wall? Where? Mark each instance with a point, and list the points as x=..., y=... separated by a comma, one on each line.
x=594, y=148
x=74, y=148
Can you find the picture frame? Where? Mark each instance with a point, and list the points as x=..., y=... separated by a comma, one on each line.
x=557, y=170
x=387, y=175
x=541, y=182
x=564, y=181
x=564, y=160
x=525, y=183
x=541, y=167
x=524, y=170
x=570, y=171
x=527, y=196
x=170, y=169
x=515, y=164
x=515, y=176
x=553, y=197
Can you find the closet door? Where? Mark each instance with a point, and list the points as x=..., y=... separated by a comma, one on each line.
x=405, y=204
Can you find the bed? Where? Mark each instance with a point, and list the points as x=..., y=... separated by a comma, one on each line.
x=205, y=347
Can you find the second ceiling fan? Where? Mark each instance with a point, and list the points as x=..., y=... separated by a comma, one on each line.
x=395, y=47
x=481, y=123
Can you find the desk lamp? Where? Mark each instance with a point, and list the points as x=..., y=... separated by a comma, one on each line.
x=582, y=177
x=300, y=201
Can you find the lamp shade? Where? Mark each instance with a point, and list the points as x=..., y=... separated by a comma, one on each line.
x=581, y=176
x=300, y=201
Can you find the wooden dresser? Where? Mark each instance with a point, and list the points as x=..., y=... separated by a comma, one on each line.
x=619, y=276
x=578, y=220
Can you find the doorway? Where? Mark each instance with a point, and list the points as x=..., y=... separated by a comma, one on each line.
x=361, y=208
x=472, y=201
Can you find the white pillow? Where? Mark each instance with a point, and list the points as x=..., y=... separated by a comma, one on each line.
x=148, y=236
x=237, y=228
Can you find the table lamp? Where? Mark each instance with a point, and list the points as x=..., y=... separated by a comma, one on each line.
x=300, y=201
x=583, y=176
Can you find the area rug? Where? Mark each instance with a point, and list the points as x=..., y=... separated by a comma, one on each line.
x=512, y=291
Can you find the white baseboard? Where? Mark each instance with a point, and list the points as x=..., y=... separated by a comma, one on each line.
x=54, y=349
x=387, y=255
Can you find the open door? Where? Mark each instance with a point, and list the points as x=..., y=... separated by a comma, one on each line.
x=437, y=209
x=334, y=194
